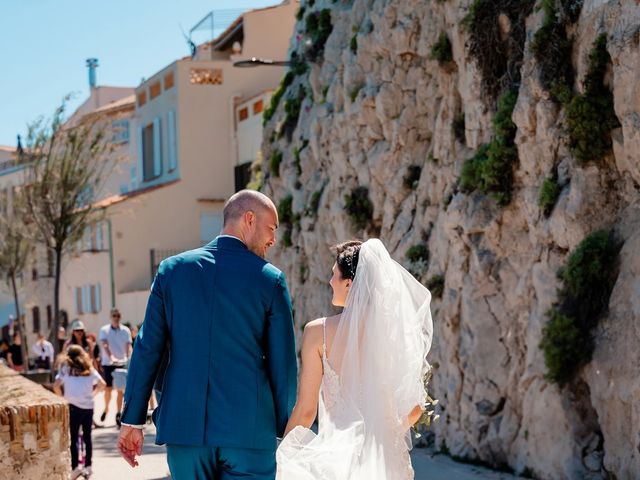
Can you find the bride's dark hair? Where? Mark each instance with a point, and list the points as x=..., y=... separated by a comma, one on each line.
x=347, y=254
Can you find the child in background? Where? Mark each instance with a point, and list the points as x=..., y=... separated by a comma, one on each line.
x=79, y=377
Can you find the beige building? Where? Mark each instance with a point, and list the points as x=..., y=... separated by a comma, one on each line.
x=193, y=128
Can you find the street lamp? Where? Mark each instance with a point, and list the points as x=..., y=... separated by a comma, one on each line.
x=257, y=62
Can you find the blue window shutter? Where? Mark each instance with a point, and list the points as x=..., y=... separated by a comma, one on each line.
x=98, y=298
x=140, y=162
x=157, y=148
x=86, y=301
x=171, y=135
x=78, y=298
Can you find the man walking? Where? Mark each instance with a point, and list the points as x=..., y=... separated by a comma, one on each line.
x=223, y=316
x=115, y=349
x=43, y=350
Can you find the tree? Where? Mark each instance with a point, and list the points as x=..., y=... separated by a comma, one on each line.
x=15, y=250
x=69, y=162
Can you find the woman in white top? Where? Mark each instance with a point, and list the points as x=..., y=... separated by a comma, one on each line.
x=79, y=378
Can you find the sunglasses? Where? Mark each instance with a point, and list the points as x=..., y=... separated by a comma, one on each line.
x=117, y=315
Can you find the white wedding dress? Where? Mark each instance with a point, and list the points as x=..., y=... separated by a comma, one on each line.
x=373, y=378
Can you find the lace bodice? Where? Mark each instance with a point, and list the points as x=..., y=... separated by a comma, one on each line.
x=330, y=386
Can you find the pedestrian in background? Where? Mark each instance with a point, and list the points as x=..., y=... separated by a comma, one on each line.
x=14, y=355
x=115, y=349
x=79, y=378
x=43, y=351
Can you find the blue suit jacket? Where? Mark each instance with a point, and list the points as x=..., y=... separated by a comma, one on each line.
x=231, y=375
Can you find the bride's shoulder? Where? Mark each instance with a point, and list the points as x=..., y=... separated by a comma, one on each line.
x=314, y=325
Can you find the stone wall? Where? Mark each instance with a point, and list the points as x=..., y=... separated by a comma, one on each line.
x=375, y=102
x=34, y=430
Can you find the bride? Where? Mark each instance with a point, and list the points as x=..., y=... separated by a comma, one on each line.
x=362, y=373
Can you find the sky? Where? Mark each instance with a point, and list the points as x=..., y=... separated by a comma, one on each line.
x=44, y=45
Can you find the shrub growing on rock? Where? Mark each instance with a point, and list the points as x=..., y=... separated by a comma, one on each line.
x=418, y=253
x=590, y=116
x=318, y=28
x=287, y=219
x=441, y=50
x=587, y=282
x=274, y=163
x=458, y=127
x=436, y=285
x=549, y=193
x=491, y=168
x=499, y=58
x=412, y=177
x=359, y=207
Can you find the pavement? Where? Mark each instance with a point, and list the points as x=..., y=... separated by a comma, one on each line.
x=108, y=465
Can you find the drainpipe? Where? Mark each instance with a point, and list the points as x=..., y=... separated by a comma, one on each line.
x=233, y=130
x=111, y=277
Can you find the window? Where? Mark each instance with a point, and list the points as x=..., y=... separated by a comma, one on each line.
x=168, y=81
x=142, y=98
x=258, y=107
x=155, y=90
x=205, y=76
x=243, y=114
x=120, y=131
x=35, y=312
x=242, y=175
x=172, y=140
x=64, y=318
x=49, y=316
x=210, y=226
x=151, y=154
x=88, y=299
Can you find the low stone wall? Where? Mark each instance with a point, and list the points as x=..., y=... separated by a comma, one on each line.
x=34, y=430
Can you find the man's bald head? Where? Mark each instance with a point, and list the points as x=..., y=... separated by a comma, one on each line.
x=245, y=201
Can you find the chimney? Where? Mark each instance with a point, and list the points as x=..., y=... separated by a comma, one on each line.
x=92, y=64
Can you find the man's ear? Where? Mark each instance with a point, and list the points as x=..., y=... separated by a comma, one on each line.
x=249, y=217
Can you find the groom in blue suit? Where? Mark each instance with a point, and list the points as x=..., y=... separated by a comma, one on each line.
x=223, y=315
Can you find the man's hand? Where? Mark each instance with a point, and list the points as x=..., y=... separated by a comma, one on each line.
x=130, y=444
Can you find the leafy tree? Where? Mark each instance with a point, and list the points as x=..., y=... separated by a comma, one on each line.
x=69, y=162
x=15, y=251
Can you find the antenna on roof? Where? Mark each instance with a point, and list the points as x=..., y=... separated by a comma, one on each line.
x=192, y=46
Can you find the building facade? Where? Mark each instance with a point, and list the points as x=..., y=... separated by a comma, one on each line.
x=184, y=134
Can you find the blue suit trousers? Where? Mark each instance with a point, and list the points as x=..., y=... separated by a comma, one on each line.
x=220, y=463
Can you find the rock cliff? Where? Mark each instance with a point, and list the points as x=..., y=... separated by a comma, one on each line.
x=375, y=131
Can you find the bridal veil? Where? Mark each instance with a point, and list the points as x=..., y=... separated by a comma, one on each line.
x=379, y=357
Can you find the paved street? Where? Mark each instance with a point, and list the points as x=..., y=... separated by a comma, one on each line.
x=108, y=465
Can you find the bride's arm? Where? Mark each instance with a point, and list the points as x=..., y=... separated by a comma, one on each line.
x=306, y=408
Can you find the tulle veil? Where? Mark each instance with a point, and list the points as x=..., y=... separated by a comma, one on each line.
x=379, y=355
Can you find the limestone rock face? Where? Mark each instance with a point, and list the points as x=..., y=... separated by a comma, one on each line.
x=376, y=105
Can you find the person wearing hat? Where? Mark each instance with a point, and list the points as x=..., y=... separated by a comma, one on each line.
x=115, y=349
x=79, y=336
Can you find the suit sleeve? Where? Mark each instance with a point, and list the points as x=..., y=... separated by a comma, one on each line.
x=147, y=355
x=281, y=354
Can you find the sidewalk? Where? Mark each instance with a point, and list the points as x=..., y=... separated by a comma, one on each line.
x=108, y=465
x=107, y=462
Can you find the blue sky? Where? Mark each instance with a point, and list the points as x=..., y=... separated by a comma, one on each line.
x=44, y=44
